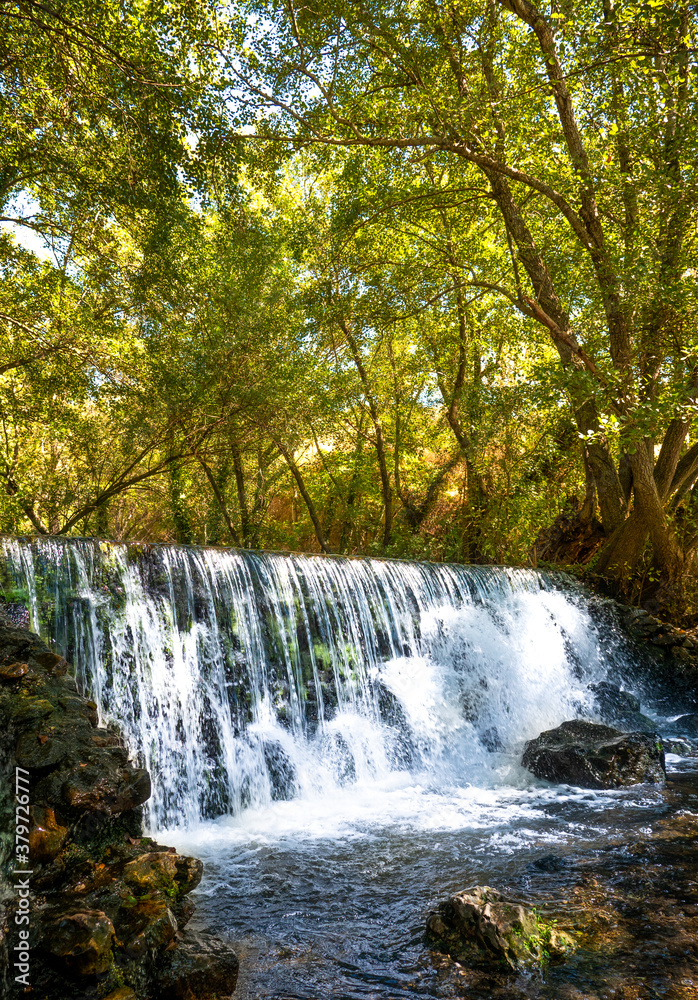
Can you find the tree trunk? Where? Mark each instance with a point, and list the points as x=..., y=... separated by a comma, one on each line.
x=319, y=534
x=242, y=493
x=353, y=491
x=386, y=488
x=220, y=500
x=612, y=505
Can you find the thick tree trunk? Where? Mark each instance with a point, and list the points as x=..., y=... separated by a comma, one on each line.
x=648, y=522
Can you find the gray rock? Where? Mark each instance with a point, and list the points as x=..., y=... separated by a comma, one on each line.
x=592, y=756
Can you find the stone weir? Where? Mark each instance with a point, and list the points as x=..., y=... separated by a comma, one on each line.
x=89, y=906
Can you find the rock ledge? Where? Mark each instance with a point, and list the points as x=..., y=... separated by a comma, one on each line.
x=108, y=906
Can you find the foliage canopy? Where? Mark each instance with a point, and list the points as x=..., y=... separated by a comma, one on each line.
x=411, y=278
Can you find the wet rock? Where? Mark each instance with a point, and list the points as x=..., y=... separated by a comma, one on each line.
x=81, y=708
x=679, y=746
x=491, y=740
x=621, y=708
x=199, y=968
x=26, y=711
x=481, y=927
x=55, y=664
x=393, y=714
x=336, y=750
x=612, y=700
x=280, y=770
x=103, y=738
x=82, y=940
x=122, y=993
x=38, y=752
x=163, y=871
x=13, y=671
x=665, y=639
x=592, y=756
x=46, y=835
x=683, y=654
x=101, y=787
x=150, y=924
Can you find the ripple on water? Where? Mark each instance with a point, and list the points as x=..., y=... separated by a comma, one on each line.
x=329, y=899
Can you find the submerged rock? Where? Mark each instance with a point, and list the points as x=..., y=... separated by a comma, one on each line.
x=482, y=927
x=592, y=756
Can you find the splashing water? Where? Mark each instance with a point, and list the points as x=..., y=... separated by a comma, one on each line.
x=244, y=678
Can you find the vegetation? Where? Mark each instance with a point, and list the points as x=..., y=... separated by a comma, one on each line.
x=414, y=279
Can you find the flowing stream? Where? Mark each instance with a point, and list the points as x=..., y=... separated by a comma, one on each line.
x=340, y=740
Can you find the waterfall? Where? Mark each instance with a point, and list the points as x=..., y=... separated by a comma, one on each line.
x=240, y=678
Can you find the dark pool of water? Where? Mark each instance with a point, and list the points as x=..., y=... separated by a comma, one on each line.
x=343, y=916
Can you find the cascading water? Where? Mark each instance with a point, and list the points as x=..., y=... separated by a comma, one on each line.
x=243, y=678
x=339, y=740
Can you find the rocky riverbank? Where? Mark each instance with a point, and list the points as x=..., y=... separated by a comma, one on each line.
x=670, y=667
x=90, y=906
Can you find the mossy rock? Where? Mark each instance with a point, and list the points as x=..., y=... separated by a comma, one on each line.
x=163, y=871
x=483, y=928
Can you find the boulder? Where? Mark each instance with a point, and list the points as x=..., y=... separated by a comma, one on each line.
x=201, y=967
x=29, y=711
x=483, y=928
x=150, y=924
x=37, y=752
x=54, y=663
x=592, y=756
x=81, y=939
x=163, y=871
x=105, y=786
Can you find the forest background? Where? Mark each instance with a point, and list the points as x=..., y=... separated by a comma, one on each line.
x=416, y=279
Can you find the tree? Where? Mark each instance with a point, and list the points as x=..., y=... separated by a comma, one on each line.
x=582, y=123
